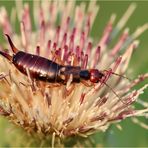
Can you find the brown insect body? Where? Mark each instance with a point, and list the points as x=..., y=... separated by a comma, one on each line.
x=43, y=69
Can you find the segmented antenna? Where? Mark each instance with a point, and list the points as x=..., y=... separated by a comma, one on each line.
x=115, y=93
x=116, y=74
x=122, y=76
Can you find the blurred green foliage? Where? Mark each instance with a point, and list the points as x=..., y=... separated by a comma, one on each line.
x=132, y=135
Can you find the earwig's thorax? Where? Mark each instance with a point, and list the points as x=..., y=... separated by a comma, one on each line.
x=84, y=74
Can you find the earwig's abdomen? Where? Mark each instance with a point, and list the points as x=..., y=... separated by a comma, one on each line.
x=43, y=69
x=38, y=67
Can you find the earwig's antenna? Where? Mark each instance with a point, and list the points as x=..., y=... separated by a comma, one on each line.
x=122, y=76
x=14, y=49
x=115, y=93
x=6, y=55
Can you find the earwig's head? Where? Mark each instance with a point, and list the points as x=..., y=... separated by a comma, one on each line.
x=95, y=75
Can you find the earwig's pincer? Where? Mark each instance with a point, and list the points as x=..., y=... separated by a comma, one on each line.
x=14, y=49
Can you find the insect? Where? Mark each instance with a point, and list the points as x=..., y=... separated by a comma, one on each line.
x=46, y=70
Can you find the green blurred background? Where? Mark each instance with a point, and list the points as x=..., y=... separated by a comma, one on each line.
x=132, y=134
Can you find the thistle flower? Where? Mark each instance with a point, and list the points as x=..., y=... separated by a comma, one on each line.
x=71, y=109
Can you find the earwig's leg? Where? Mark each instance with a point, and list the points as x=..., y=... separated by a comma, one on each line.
x=70, y=89
x=57, y=85
x=26, y=85
x=54, y=85
x=2, y=76
x=6, y=55
x=76, y=61
x=58, y=58
x=87, y=83
x=14, y=49
x=31, y=80
x=42, y=84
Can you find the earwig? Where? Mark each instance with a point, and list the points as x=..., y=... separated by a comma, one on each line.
x=46, y=70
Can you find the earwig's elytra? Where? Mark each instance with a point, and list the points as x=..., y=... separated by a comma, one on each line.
x=46, y=70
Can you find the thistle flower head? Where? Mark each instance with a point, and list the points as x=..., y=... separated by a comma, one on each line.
x=74, y=108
